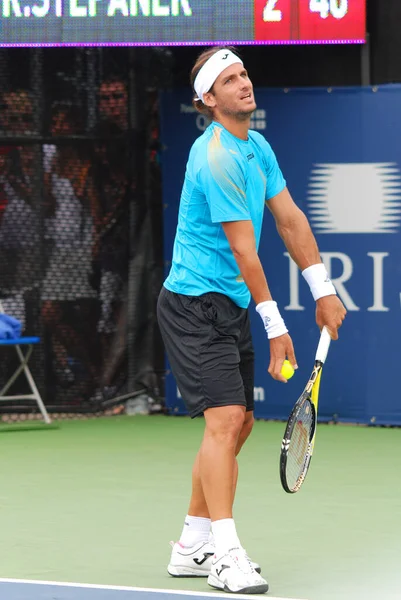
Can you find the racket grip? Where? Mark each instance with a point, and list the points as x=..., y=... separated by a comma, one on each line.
x=323, y=346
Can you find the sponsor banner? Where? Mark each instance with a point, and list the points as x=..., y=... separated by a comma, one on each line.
x=339, y=152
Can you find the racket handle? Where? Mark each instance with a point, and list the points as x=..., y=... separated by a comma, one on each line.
x=323, y=346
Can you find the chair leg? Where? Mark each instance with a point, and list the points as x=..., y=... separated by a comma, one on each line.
x=15, y=376
x=34, y=389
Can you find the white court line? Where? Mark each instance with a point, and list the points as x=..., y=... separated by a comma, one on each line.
x=122, y=588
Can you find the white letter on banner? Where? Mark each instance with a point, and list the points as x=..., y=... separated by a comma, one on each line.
x=41, y=11
x=92, y=8
x=120, y=5
x=7, y=8
x=202, y=122
x=258, y=394
x=159, y=11
x=294, y=286
x=346, y=274
x=77, y=11
x=145, y=7
x=175, y=8
x=378, y=305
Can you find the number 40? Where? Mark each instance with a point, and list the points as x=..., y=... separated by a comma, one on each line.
x=338, y=8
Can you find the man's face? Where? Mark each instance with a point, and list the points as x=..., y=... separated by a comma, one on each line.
x=60, y=124
x=232, y=93
x=18, y=113
x=113, y=101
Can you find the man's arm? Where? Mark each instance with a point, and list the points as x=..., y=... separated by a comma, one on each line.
x=295, y=231
x=223, y=180
x=241, y=237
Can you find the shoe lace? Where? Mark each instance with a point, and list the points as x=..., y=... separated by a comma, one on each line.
x=241, y=559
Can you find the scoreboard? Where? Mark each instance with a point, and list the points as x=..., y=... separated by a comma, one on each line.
x=180, y=22
x=310, y=21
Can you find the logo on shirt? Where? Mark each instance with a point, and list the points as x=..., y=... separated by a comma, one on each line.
x=355, y=198
x=250, y=156
x=239, y=279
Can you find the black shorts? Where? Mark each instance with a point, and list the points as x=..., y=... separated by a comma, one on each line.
x=209, y=346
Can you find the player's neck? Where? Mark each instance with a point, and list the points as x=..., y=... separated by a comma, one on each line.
x=237, y=128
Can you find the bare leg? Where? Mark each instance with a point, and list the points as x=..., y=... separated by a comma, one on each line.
x=217, y=458
x=197, y=505
x=243, y=436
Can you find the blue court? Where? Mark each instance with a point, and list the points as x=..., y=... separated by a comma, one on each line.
x=15, y=589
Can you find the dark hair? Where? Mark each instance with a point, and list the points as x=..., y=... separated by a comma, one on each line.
x=114, y=78
x=201, y=60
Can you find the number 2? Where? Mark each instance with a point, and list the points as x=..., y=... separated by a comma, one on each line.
x=271, y=14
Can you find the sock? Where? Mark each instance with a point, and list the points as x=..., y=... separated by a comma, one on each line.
x=225, y=536
x=195, y=530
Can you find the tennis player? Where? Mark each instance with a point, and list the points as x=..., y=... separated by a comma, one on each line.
x=203, y=307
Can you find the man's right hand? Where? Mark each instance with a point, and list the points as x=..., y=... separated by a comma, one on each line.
x=281, y=348
x=330, y=313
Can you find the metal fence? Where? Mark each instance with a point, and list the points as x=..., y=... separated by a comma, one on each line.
x=80, y=220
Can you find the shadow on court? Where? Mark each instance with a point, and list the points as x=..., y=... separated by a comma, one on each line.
x=28, y=428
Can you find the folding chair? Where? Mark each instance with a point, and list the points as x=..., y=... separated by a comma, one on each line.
x=23, y=367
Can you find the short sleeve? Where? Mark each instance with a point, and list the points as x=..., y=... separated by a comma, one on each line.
x=275, y=181
x=222, y=180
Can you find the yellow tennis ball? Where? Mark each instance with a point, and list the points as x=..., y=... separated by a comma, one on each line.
x=287, y=370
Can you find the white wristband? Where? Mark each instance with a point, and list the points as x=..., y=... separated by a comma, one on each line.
x=319, y=282
x=272, y=320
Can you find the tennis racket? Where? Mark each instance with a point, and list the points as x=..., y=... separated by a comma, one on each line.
x=299, y=437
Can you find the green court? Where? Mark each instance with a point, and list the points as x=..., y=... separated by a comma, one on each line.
x=97, y=501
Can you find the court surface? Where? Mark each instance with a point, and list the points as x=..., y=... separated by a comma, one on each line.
x=97, y=501
x=20, y=590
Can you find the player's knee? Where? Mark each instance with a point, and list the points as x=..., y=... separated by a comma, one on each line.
x=225, y=424
x=245, y=430
x=248, y=424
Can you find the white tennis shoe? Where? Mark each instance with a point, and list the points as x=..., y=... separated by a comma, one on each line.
x=233, y=572
x=191, y=562
x=195, y=561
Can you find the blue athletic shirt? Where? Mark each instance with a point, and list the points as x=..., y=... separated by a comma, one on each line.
x=227, y=179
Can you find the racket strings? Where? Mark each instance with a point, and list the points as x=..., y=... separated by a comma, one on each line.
x=298, y=448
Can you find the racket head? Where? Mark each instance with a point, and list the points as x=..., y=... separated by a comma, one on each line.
x=298, y=441
x=299, y=436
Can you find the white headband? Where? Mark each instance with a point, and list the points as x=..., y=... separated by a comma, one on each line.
x=212, y=68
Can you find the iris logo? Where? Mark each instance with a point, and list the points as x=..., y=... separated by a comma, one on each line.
x=355, y=198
